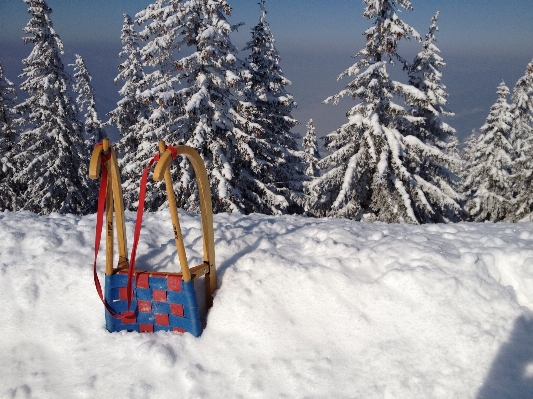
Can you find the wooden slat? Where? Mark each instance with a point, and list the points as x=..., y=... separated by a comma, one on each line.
x=178, y=237
x=94, y=165
x=162, y=170
x=208, y=236
x=118, y=201
x=109, y=217
x=199, y=271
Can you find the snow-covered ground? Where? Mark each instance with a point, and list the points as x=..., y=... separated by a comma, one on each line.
x=306, y=308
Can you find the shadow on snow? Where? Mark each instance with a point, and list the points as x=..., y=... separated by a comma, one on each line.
x=511, y=373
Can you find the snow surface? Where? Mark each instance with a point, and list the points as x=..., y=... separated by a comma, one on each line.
x=306, y=308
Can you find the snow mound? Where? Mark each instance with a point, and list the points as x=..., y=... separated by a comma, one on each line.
x=306, y=308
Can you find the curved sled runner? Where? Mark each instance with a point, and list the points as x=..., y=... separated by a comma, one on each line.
x=147, y=301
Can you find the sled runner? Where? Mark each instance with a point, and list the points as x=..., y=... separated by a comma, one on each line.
x=147, y=301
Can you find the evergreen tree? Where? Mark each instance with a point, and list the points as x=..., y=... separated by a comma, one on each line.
x=375, y=158
x=522, y=137
x=211, y=115
x=312, y=156
x=132, y=115
x=131, y=108
x=8, y=134
x=438, y=160
x=275, y=167
x=153, y=104
x=488, y=182
x=94, y=132
x=468, y=155
x=195, y=100
x=52, y=162
x=467, y=158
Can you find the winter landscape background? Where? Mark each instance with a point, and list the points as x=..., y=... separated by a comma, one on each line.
x=311, y=304
x=183, y=80
x=483, y=43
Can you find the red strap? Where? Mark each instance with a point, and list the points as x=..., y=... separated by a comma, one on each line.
x=173, y=151
x=99, y=224
x=138, y=223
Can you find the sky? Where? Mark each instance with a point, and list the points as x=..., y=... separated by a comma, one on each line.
x=482, y=41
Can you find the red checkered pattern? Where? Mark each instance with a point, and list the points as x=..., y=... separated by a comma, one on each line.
x=146, y=313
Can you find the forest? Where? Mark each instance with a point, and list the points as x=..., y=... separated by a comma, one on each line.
x=182, y=80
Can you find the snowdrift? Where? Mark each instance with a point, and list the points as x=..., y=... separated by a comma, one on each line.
x=306, y=308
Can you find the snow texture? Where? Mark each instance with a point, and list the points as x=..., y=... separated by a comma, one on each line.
x=306, y=308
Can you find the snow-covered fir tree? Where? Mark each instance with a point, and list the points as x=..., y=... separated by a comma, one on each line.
x=93, y=126
x=52, y=162
x=468, y=155
x=522, y=138
x=312, y=155
x=131, y=108
x=211, y=115
x=194, y=100
x=488, y=182
x=8, y=136
x=168, y=25
x=273, y=166
x=375, y=158
x=438, y=162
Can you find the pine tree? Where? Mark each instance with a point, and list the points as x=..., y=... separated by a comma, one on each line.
x=93, y=126
x=312, y=156
x=438, y=159
x=467, y=158
x=131, y=116
x=131, y=108
x=375, y=158
x=468, y=154
x=522, y=137
x=8, y=135
x=195, y=100
x=153, y=104
x=52, y=163
x=204, y=111
x=211, y=114
x=275, y=167
x=488, y=183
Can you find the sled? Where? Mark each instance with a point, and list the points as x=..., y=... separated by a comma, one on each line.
x=149, y=301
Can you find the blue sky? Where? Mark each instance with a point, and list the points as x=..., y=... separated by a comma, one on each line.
x=482, y=41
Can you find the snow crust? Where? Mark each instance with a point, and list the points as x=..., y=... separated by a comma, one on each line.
x=306, y=308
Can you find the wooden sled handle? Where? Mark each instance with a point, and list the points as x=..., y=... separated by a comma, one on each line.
x=162, y=171
x=114, y=202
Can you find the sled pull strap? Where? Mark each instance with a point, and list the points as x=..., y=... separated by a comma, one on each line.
x=206, y=209
x=101, y=155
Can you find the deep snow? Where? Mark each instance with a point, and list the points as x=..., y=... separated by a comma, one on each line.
x=306, y=308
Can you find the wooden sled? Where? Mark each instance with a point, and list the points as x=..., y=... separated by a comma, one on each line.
x=147, y=301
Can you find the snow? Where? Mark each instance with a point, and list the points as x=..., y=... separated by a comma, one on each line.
x=306, y=308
